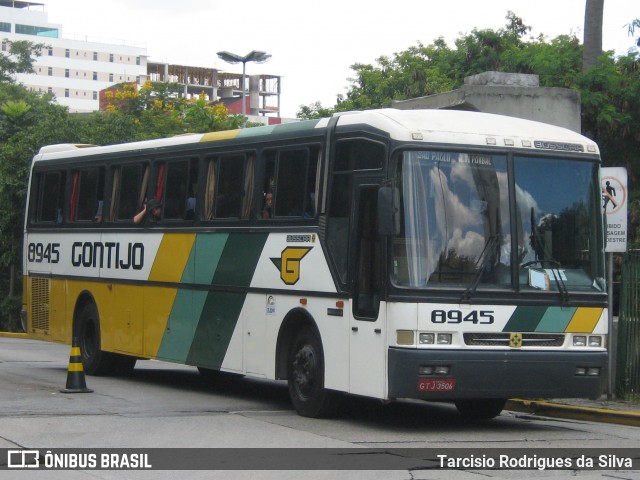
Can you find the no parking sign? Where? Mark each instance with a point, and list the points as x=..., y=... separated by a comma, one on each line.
x=614, y=205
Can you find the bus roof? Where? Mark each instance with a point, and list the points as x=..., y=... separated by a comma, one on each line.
x=429, y=126
x=470, y=128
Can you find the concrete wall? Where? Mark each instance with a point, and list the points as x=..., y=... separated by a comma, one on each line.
x=515, y=95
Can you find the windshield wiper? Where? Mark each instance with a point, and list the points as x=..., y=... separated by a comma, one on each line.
x=489, y=245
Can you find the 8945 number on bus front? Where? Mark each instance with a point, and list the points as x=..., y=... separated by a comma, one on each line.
x=481, y=317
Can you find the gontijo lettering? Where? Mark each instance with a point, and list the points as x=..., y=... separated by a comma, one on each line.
x=108, y=255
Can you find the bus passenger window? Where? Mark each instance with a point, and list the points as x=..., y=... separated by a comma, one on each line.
x=87, y=194
x=290, y=183
x=129, y=190
x=295, y=185
x=52, y=186
x=179, y=196
x=230, y=187
x=226, y=190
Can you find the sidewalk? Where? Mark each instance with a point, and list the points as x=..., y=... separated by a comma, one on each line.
x=602, y=410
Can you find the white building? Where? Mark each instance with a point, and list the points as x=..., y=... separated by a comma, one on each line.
x=75, y=70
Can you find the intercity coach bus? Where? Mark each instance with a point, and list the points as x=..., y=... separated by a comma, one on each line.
x=424, y=254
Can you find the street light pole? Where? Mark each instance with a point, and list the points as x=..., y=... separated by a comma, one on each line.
x=253, y=56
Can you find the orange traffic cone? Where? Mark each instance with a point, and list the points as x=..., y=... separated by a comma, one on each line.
x=75, y=373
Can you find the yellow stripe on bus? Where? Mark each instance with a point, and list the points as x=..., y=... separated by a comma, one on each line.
x=584, y=320
x=172, y=257
x=215, y=136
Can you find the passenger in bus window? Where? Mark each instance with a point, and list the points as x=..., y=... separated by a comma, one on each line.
x=267, y=211
x=191, y=208
x=99, y=216
x=154, y=208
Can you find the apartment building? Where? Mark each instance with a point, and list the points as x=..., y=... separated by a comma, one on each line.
x=74, y=69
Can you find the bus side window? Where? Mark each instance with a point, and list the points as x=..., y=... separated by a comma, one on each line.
x=295, y=183
x=291, y=183
x=179, y=196
x=87, y=195
x=51, y=190
x=128, y=191
x=226, y=186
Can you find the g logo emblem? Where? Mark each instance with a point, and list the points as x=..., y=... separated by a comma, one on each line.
x=289, y=263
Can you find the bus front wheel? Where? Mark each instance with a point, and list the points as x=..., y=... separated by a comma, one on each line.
x=305, y=374
x=480, y=409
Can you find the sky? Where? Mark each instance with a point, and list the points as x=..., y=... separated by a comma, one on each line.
x=314, y=44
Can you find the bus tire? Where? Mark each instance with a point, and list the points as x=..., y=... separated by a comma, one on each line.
x=305, y=377
x=94, y=360
x=480, y=409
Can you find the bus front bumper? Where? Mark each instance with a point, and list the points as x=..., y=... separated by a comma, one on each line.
x=494, y=374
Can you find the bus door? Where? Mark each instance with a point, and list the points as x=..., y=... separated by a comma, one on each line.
x=368, y=326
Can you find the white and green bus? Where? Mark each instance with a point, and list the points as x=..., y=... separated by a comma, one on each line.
x=425, y=254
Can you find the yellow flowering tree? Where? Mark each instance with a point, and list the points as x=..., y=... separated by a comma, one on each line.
x=158, y=110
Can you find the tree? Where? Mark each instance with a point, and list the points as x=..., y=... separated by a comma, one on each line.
x=157, y=110
x=593, y=15
x=18, y=59
x=28, y=120
x=632, y=29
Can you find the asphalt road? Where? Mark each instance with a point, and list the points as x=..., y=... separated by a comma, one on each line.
x=162, y=405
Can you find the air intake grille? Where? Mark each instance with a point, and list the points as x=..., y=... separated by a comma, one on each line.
x=502, y=339
x=39, y=304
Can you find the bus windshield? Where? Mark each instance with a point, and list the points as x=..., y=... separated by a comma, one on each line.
x=457, y=228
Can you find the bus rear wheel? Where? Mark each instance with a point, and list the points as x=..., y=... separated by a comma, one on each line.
x=305, y=374
x=95, y=361
x=480, y=409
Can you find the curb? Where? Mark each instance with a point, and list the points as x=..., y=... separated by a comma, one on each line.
x=574, y=412
x=15, y=335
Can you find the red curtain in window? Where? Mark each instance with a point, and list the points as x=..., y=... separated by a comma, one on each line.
x=160, y=184
x=74, y=197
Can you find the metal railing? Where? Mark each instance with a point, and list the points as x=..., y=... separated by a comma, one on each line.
x=628, y=345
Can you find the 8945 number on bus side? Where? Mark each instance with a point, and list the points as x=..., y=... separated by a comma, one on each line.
x=43, y=253
x=482, y=317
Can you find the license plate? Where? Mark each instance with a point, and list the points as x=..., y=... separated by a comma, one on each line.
x=436, y=384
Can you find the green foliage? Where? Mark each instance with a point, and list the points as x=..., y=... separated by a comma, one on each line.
x=10, y=314
x=18, y=59
x=314, y=111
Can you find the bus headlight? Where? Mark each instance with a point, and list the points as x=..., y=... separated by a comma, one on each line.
x=427, y=338
x=579, y=341
x=444, y=339
x=595, y=341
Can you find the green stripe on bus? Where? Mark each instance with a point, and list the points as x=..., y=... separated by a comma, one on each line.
x=525, y=319
x=291, y=127
x=239, y=259
x=208, y=250
x=215, y=328
x=221, y=310
x=556, y=319
x=188, y=304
